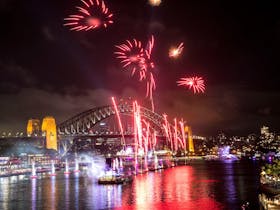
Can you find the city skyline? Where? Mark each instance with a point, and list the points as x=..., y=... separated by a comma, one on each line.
x=48, y=70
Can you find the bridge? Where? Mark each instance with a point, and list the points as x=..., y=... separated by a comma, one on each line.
x=99, y=126
x=83, y=123
x=99, y=129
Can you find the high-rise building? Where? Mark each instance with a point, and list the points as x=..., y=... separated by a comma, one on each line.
x=49, y=130
x=33, y=127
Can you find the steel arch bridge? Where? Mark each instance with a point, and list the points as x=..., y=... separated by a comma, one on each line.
x=82, y=123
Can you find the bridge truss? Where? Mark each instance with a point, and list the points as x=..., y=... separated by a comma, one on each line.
x=82, y=124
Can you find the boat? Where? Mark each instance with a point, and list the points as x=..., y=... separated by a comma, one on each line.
x=111, y=179
x=128, y=179
x=211, y=157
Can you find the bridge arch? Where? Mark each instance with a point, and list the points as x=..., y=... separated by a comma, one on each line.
x=82, y=123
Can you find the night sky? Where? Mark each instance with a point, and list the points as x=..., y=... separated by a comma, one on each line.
x=46, y=69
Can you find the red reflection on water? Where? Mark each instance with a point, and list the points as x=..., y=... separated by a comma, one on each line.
x=207, y=180
x=200, y=204
x=177, y=183
x=174, y=188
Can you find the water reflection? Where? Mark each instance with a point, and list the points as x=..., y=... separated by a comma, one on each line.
x=209, y=186
x=52, y=192
x=177, y=183
x=33, y=194
x=229, y=182
x=104, y=196
x=144, y=188
x=4, y=196
x=174, y=188
x=67, y=191
x=76, y=191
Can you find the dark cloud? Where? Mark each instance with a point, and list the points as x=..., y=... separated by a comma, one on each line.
x=35, y=103
x=48, y=34
x=265, y=111
x=156, y=27
x=14, y=77
x=220, y=109
x=231, y=109
x=4, y=5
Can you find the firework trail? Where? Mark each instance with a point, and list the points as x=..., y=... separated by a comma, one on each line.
x=135, y=135
x=140, y=140
x=119, y=120
x=154, y=2
x=147, y=65
x=175, y=135
x=138, y=126
x=167, y=130
x=183, y=134
x=133, y=56
x=154, y=139
x=194, y=83
x=179, y=135
x=147, y=135
x=174, y=52
x=91, y=15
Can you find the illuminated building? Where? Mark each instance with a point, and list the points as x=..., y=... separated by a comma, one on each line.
x=33, y=127
x=265, y=130
x=49, y=130
x=188, y=130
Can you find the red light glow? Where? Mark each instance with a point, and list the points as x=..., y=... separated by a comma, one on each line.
x=194, y=83
x=175, y=52
x=91, y=15
x=134, y=57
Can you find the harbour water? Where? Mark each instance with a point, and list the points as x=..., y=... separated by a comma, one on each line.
x=202, y=185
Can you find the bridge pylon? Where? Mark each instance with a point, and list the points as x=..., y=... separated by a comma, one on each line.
x=188, y=130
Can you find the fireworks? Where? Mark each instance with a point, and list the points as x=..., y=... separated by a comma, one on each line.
x=194, y=83
x=91, y=15
x=119, y=119
x=148, y=66
x=174, y=52
x=154, y=2
x=133, y=56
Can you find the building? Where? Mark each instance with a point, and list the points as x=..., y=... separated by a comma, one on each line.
x=265, y=131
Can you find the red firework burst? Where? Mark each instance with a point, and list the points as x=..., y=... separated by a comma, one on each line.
x=131, y=55
x=147, y=64
x=92, y=14
x=194, y=83
x=174, y=52
x=148, y=67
